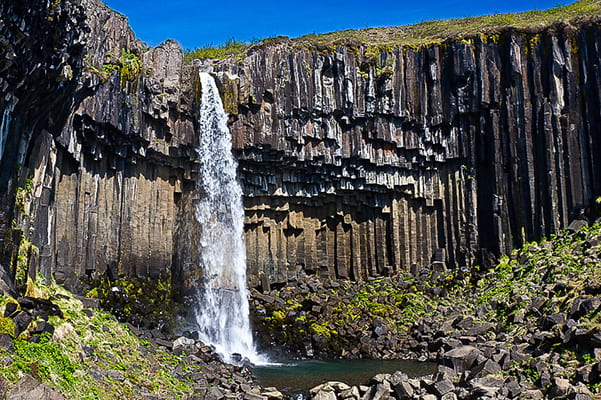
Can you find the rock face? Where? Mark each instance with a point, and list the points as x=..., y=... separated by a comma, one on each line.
x=354, y=163
x=357, y=165
x=97, y=140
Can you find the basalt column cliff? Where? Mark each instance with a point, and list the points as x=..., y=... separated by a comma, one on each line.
x=97, y=144
x=356, y=160
x=358, y=163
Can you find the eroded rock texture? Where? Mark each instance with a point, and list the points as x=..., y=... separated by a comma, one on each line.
x=355, y=167
x=354, y=162
x=97, y=140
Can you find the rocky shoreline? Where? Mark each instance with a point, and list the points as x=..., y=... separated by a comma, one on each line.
x=527, y=329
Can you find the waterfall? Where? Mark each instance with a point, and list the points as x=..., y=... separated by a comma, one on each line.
x=222, y=314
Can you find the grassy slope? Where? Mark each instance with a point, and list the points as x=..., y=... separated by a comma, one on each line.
x=86, y=345
x=425, y=33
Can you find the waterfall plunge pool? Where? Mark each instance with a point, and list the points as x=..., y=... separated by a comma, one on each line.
x=294, y=379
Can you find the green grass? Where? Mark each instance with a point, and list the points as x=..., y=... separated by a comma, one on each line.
x=430, y=32
x=424, y=33
x=61, y=361
x=231, y=47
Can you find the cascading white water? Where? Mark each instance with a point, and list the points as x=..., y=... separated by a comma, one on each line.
x=222, y=313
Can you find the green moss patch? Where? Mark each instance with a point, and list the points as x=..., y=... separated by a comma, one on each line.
x=93, y=356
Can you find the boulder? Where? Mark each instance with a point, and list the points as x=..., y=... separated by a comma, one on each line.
x=488, y=386
x=461, y=358
x=272, y=394
x=22, y=320
x=185, y=345
x=549, y=321
x=488, y=367
x=6, y=343
x=350, y=394
x=29, y=388
x=532, y=394
x=442, y=387
x=403, y=390
x=559, y=387
x=214, y=393
x=479, y=329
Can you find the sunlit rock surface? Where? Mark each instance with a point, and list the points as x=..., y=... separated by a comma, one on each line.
x=352, y=166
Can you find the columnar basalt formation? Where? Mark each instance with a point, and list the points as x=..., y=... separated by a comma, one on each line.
x=357, y=165
x=99, y=142
x=356, y=161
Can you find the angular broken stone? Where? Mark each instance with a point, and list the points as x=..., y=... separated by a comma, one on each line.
x=461, y=358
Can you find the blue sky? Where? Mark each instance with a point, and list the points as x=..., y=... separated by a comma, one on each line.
x=195, y=23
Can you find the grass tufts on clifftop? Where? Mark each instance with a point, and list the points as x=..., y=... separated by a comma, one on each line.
x=424, y=33
x=231, y=47
x=432, y=32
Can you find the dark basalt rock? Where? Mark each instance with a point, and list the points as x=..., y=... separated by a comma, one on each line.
x=459, y=152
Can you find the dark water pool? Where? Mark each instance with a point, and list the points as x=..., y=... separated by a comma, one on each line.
x=297, y=377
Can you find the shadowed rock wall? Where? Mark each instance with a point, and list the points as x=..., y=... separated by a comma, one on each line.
x=355, y=166
x=99, y=143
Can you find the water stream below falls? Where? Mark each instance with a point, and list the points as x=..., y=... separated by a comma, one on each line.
x=296, y=378
x=222, y=313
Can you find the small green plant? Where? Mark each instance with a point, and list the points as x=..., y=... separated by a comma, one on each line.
x=24, y=195
x=141, y=301
x=46, y=360
x=588, y=358
x=7, y=326
x=25, y=252
x=130, y=67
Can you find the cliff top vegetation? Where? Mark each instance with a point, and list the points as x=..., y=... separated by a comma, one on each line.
x=423, y=33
